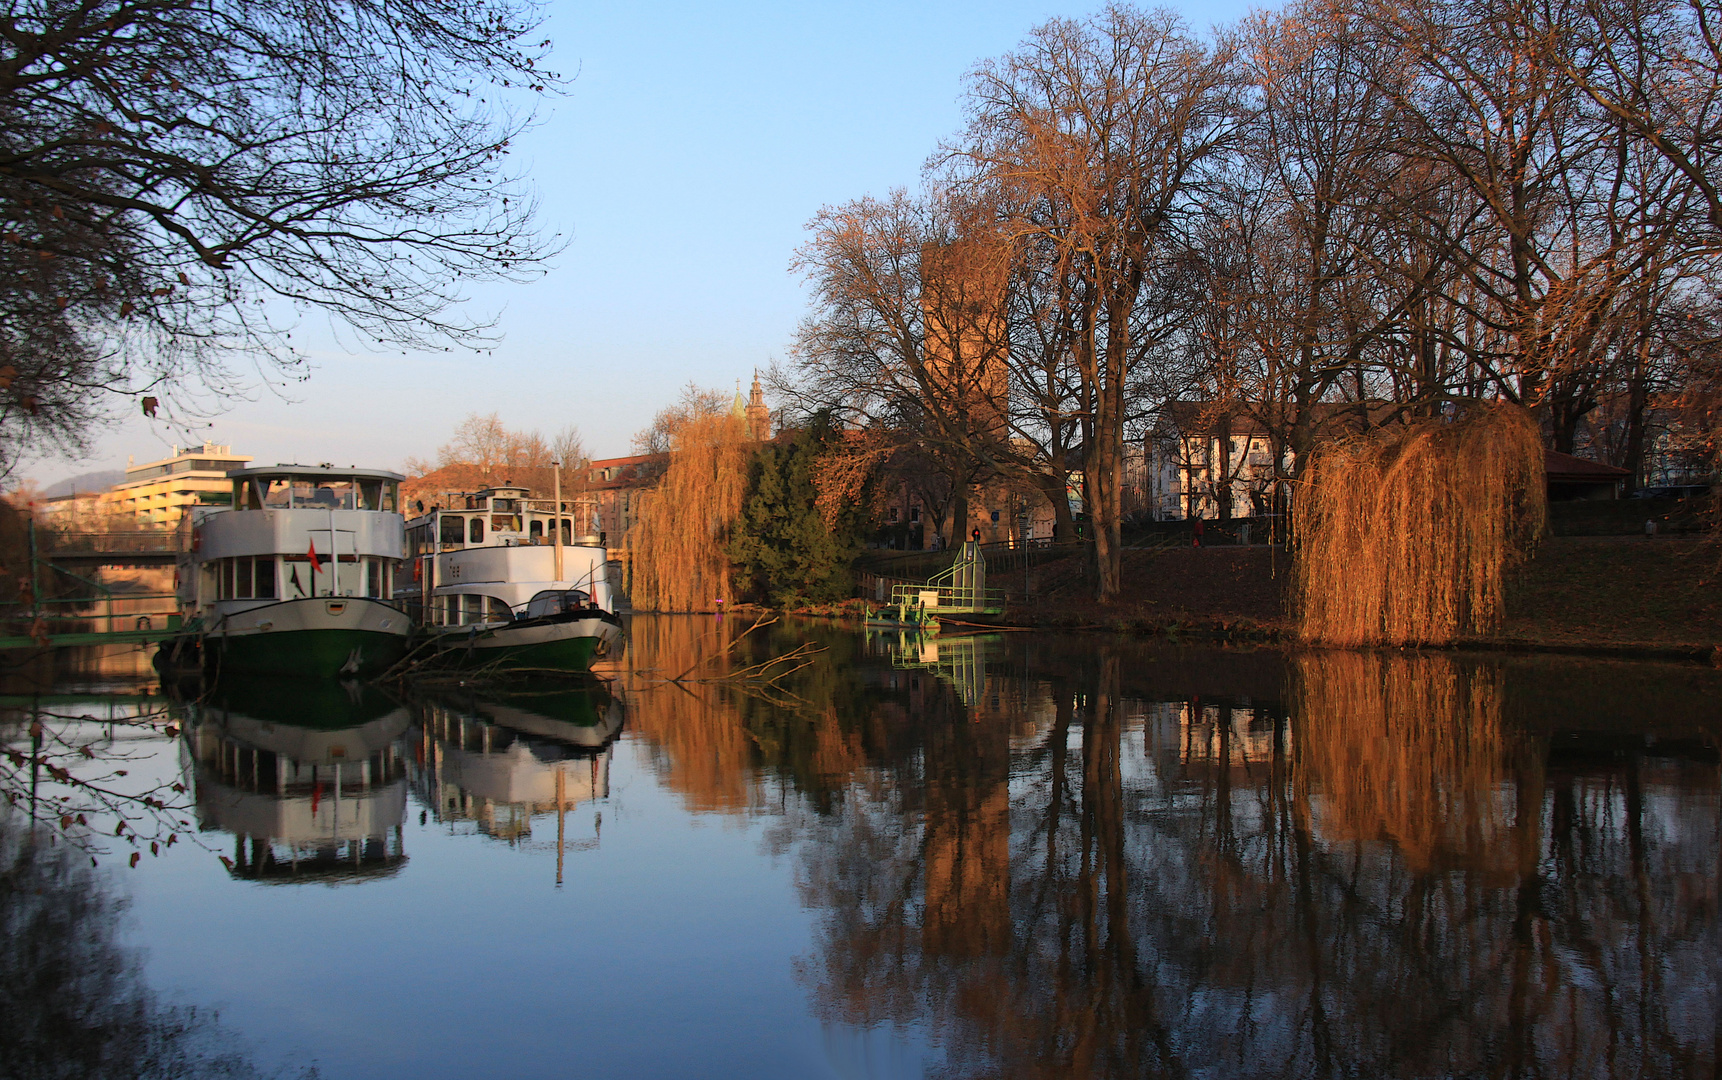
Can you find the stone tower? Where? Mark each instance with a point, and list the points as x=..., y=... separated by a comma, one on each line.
x=758, y=416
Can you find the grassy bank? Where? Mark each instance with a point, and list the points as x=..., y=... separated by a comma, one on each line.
x=1608, y=594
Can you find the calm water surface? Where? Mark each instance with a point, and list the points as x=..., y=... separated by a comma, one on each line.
x=1002, y=856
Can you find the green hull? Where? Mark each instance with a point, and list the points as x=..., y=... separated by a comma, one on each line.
x=565, y=654
x=318, y=654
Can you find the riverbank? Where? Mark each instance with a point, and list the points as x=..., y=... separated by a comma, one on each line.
x=1605, y=595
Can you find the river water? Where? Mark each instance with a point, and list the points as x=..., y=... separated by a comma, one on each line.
x=804, y=852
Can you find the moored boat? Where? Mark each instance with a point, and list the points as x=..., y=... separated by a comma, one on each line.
x=504, y=580
x=296, y=578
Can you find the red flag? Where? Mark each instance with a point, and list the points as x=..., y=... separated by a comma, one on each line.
x=315, y=565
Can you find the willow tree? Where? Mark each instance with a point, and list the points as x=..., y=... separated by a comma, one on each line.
x=1404, y=535
x=678, y=542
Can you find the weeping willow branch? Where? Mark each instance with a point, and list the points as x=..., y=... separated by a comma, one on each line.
x=677, y=542
x=1403, y=537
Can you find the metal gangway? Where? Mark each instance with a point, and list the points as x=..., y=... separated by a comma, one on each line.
x=960, y=589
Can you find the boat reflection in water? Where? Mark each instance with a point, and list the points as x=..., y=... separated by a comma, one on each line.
x=308, y=777
x=501, y=760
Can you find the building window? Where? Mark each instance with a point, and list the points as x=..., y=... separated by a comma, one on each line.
x=914, y=514
x=894, y=515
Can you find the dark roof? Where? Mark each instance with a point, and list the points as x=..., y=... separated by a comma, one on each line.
x=1566, y=469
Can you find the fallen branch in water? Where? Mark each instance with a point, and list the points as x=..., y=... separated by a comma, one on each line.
x=758, y=622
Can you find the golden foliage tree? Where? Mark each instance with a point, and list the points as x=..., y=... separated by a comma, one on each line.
x=1403, y=536
x=677, y=542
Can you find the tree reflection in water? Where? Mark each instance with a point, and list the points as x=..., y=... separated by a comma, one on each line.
x=73, y=1002
x=1107, y=863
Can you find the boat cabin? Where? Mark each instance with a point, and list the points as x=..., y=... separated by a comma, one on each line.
x=501, y=516
x=297, y=531
x=296, y=487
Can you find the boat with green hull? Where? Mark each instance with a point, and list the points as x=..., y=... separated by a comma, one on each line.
x=296, y=579
x=503, y=584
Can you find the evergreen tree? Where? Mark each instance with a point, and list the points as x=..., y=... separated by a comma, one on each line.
x=784, y=552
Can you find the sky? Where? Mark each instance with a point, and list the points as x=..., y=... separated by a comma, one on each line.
x=693, y=144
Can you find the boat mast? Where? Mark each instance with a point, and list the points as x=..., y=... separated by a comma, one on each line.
x=556, y=521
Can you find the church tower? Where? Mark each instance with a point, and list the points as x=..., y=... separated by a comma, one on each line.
x=758, y=416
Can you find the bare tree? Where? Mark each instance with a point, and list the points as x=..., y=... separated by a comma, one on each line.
x=177, y=179
x=908, y=334
x=484, y=442
x=695, y=403
x=1101, y=131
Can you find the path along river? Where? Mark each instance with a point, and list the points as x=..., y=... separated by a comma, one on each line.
x=1020, y=855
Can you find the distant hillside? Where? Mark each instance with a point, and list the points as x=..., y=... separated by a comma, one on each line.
x=100, y=480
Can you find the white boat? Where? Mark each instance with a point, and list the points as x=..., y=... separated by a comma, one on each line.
x=297, y=577
x=505, y=580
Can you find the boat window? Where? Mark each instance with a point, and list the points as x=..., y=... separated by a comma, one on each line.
x=556, y=602
x=509, y=522
x=535, y=529
x=373, y=577
x=453, y=529
x=277, y=493
x=391, y=495
x=247, y=495
x=246, y=578
x=263, y=575
x=544, y=603
x=497, y=610
x=475, y=530
x=370, y=494
x=472, y=608
x=567, y=531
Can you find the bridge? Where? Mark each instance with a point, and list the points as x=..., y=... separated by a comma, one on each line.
x=95, y=549
x=95, y=613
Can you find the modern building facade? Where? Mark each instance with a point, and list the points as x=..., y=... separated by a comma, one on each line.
x=154, y=495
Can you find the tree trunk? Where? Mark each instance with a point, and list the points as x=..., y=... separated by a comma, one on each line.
x=1638, y=399
x=1056, y=490
x=1104, y=467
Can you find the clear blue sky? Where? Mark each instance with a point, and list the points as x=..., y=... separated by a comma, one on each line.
x=694, y=144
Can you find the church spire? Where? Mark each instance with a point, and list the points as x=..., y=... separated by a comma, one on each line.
x=758, y=415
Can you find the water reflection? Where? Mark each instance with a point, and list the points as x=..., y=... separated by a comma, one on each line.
x=499, y=761
x=74, y=999
x=308, y=777
x=1033, y=855
x=1076, y=857
x=1380, y=875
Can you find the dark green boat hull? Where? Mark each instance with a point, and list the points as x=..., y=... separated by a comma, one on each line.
x=317, y=654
